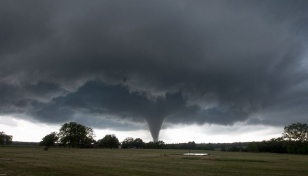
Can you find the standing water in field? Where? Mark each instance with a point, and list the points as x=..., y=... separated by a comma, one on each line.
x=195, y=154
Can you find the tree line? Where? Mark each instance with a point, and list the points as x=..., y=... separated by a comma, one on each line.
x=5, y=139
x=294, y=140
x=76, y=135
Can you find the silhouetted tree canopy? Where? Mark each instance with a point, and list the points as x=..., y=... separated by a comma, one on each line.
x=192, y=145
x=49, y=140
x=127, y=142
x=5, y=139
x=138, y=143
x=75, y=135
x=155, y=145
x=109, y=141
x=130, y=142
x=294, y=140
x=296, y=132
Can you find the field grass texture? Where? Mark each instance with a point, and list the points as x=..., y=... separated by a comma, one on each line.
x=33, y=161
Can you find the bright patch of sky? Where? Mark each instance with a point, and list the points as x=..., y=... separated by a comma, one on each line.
x=27, y=131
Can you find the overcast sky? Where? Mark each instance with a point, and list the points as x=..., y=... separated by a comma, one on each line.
x=212, y=67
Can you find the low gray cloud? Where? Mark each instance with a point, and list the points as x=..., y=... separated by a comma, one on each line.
x=117, y=64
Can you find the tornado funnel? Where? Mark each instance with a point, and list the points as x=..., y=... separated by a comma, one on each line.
x=155, y=125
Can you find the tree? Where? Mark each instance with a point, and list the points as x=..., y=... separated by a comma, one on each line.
x=128, y=142
x=191, y=145
x=49, y=139
x=296, y=132
x=75, y=135
x=138, y=143
x=294, y=140
x=155, y=145
x=5, y=139
x=109, y=141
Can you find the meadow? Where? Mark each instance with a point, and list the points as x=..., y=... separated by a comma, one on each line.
x=33, y=161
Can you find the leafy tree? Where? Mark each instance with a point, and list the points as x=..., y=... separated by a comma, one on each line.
x=128, y=142
x=276, y=145
x=192, y=145
x=5, y=139
x=297, y=147
x=155, y=145
x=109, y=141
x=138, y=143
x=75, y=135
x=296, y=132
x=49, y=139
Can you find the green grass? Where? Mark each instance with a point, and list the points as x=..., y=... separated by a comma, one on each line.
x=59, y=161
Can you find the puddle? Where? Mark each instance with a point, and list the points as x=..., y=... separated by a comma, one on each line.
x=195, y=154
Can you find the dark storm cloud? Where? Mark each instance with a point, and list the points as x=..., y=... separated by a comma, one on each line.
x=18, y=98
x=109, y=100
x=179, y=61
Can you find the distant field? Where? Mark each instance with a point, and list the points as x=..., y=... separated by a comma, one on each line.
x=36, y=162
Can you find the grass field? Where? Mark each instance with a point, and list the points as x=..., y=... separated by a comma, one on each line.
x=34, y=161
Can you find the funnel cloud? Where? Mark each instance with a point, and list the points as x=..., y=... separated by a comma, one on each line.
x=155, y=126
x=150, y=65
